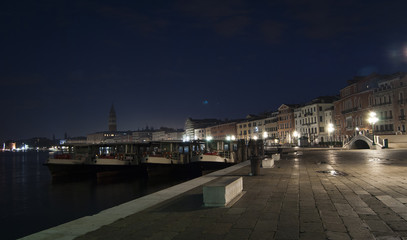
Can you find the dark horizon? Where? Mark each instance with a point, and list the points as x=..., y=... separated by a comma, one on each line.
x=64, y=63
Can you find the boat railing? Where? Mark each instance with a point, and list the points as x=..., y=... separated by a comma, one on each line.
x=211, y=153
x=63, y=156
x=105, y=156
x=224, y=154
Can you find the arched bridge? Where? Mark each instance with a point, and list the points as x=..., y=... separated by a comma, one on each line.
x=361, y=142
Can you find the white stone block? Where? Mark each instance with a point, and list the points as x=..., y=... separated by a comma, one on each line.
x=221, y=191
x=268, y=163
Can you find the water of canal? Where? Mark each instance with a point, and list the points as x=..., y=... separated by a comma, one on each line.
x=30, y=201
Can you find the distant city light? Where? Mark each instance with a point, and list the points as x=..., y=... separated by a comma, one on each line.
x=331, y=128
x=372, y=118
x=265, y=135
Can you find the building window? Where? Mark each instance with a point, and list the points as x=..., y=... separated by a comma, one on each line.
x=321, y=129
x=349, y=122
x=320, y=118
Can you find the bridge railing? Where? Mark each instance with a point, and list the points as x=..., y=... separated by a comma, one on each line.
x=379, y=141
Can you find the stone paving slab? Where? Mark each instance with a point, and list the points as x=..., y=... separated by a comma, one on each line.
x=293, y=200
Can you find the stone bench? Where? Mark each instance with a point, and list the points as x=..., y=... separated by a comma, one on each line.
x=276, y=156
x=222, y=191
x=268, y=163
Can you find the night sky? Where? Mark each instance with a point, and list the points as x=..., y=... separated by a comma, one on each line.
x=64, y=63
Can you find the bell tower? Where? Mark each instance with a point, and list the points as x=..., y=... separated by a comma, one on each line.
x=112, y=120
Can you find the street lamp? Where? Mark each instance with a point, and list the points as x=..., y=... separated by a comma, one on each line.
x=372, y=120
x=265, y=135
x=330, y=130
x=296, y=135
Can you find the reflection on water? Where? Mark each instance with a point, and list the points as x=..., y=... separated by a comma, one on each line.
x=30, y=201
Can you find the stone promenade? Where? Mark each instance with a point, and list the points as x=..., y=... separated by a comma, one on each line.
x=317, y=195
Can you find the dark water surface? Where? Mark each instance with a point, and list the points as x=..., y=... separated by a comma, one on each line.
x=30, y=201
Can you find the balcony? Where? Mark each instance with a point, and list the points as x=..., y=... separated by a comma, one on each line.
x=382, y=88
x=402, y=101
x=349, y=110
x=387, y=118
x=382, y=104
x=402, y=118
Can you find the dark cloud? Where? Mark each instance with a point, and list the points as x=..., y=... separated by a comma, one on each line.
x=226, y=18
x=272, y=31
x=325, y=19
x=63, y=63
x=130, y=16
x=212, y=10
x=232, y=26
x=22, y=80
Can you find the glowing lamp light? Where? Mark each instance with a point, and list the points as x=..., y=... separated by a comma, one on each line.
x=265, y=135
x=295, y=134
x=372, y=118
x=331, y=128
x=228, y=138
x=209, y=138
x=255, y=138
x=233, y=138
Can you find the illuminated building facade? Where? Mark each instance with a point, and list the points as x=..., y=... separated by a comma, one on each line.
x=221, y=131
x=286, y=124
x=351, y=110
x=310, y=120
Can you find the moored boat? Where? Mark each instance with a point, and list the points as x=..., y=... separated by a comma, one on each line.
x=136, y=159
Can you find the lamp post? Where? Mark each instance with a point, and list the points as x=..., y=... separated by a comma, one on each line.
x=356, y=131
x=330, y=130
x=372, y=120
x=296, y=135
x=265, y=135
